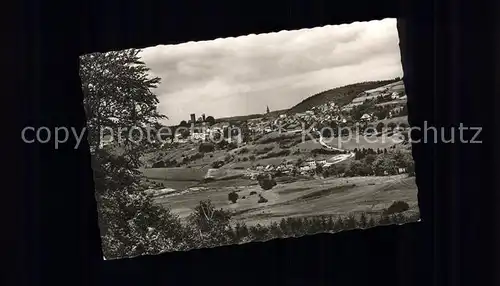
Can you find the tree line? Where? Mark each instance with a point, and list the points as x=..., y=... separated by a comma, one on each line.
x=368, y=162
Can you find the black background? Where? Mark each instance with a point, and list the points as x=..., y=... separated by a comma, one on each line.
x=449, y=61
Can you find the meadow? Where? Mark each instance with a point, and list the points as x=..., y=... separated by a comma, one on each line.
x=302, y=198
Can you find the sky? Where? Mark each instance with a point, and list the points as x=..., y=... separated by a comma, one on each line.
x=244, y=75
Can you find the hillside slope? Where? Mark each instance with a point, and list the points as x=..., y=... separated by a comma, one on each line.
x=340, y=95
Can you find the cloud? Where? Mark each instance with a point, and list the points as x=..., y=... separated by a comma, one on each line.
x=235, y=76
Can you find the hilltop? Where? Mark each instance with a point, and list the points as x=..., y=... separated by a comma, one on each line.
x=340, y=95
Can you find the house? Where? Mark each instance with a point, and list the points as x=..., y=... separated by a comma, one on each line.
x=321, y=162
x=198, y=136
x=305, y=168
x=366, y=117
x=311, y=163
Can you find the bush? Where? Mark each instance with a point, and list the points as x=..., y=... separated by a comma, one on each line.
x=159, y=164
x=252, y=157
x=243, y=151
x=263, y=150
x=232, y=146
x=358, y=168
x=262, y=200
x=321, y=151
x=208, y=180
x=217, y=164
x=411, y=170
x=245, y=159
x=206, y=147
x=397, y=207
x=266, y=181
x=363, y=221
x=392, y=125
x=232, y=197
x=253, y=193
x=267, y=184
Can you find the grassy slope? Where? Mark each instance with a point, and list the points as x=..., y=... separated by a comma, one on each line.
x=302, y=198
x=341, y=95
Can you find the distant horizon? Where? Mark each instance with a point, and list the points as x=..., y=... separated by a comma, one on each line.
x=242, y=76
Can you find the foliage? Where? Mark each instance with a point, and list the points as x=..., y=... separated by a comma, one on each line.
x=130, y=224
x=358, y=168
x=380, y=126
x=266, y=181
x=209, y=226
x=159, y=164
x=332, y=170
x=210, y=120
x=233, y=197
x=217, y=164
x=231, y=146
x=397, y=207
x=263, y=150
x=117, y=94
x=262, y=199
x=206, y=147
x=368, y=106
x=384, y=165
x=381, y=113
x=391, y=125
x=319, y=169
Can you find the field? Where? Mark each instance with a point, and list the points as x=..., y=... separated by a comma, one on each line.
x=398, y=101
x=176, y=174
x=397, y=120
x=355, y=141
x=301, y=198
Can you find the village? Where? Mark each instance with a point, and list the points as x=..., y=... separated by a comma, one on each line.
x=368, y=109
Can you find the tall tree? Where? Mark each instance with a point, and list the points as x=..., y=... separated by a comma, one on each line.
x=210, y=120
x=117, y=94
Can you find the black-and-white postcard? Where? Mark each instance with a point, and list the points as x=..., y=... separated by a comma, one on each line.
x=251, y=138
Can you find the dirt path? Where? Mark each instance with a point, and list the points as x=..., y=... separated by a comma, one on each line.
x=337, y=158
